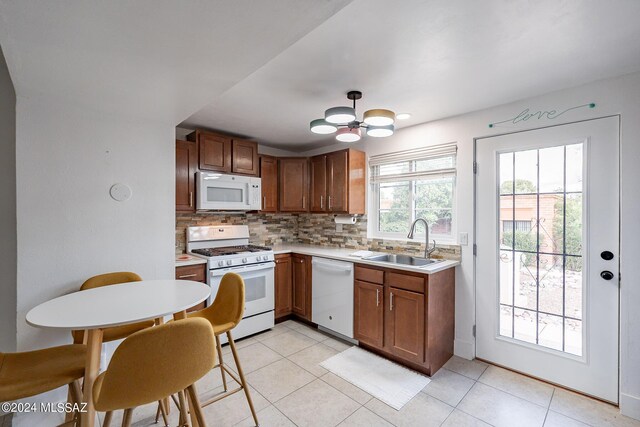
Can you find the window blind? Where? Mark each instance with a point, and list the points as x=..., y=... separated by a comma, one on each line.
x=433, y=161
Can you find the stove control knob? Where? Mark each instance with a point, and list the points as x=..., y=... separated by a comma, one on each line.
x=228, y=262
x=265, y=257
x=258, y=258
x=244, y=260
x=220, y=263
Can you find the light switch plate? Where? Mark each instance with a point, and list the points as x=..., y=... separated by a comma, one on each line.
x=464, y=239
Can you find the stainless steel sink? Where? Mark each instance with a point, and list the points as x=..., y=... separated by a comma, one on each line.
x=402, y=259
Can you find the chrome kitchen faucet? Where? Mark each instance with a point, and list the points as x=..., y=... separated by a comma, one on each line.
x=427, y=251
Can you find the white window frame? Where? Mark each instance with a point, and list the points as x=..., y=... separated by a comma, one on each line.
x=412, y=155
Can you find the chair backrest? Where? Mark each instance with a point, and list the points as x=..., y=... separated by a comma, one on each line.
x=100, y=280
x=108, y=279
x=228, y=306
x=156, y=362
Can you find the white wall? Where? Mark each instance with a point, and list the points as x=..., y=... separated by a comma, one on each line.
x=613, y=96
x=7, y=209
x=68, y=227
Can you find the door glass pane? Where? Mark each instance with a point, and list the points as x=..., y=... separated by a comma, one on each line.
x=255, y=288
x=540, y=243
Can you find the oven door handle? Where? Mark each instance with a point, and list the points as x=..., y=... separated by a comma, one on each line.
x=243, y=269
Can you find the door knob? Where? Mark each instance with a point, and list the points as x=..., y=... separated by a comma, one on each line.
x=606, y=275
x=606, y=255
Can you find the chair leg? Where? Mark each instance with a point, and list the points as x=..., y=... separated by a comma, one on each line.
x=107, y=419
x=197, y=409
x=126, y=418
x=221, y=362
x=162, y=406
x=69, y=415
x=184, y=412
x=232, y=344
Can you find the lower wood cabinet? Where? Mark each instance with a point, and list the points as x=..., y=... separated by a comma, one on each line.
x=197, y=273
x=368, y=326
x=407, y=317
x=301, y=284
x=283, y=288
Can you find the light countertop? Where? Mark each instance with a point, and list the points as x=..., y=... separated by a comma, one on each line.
x=345, y=255
x=183, y=260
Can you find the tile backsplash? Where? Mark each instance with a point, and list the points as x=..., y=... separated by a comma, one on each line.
x=314, y=229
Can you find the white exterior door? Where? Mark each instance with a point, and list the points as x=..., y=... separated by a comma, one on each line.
x=547, y=235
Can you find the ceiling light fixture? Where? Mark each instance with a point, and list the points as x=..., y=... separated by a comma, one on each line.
x=343, y=121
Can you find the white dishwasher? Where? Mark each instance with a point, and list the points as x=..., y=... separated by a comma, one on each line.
x=332, y=295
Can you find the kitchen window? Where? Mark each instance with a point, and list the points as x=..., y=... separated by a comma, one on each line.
x=414, y=184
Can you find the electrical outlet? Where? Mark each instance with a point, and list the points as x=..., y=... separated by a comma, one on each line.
x=464, y=239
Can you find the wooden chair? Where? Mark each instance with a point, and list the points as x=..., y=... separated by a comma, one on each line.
x=30, y=373
x=224, y=314
x=154, y=363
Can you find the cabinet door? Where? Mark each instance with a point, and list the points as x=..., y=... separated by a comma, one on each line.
x=318, y=184
x=269, y=175
x=214, y=152
x=405, y=324
x=301, y=287
x=293, y=179
x=197, y=273
x=284, y=289
x=244, y=157
x=338, y=181
x=368, y=322
x=186, y=167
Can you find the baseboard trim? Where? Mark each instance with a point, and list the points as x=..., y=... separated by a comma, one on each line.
x=630, y=406
x=464, y=349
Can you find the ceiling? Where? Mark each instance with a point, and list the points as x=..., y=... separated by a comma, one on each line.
x=264, y=69
x=433, y=59
x=157, y=59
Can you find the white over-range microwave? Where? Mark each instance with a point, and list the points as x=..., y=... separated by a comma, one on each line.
x=220, y=192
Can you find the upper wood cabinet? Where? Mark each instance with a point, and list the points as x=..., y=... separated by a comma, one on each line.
x=293, y=184
x=223, y=153
x=214, y=150
x=186, y=167
x=269, y=175
x=338, y=182
x=301, y=283
x=244, y=157
x=283, y=287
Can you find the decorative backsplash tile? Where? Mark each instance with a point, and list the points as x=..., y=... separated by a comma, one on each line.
x=313, y=229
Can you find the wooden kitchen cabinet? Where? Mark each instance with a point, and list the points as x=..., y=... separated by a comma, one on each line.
x=293, y=184
x=338, y=182
x=214, y=150
x=368, y=313
x=197, y=273
x=269, y=176
x=404, y=335
x=186, y=167
x=415, y=325
x=301, y=284
x=244, y=157
x=283, y=285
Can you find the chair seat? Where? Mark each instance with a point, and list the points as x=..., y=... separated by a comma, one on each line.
x=116, y=332
x=33, y=372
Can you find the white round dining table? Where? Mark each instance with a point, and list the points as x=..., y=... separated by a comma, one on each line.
x=95, y=309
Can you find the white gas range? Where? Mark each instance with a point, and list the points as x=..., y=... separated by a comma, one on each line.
x=227, y=249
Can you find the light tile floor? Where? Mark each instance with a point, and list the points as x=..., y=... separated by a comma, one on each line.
x=289, y=388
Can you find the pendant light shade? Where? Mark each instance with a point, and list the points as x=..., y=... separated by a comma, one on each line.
x=380, y=131
x=348, y=134
x=379, y=117
x=340, y=115
x=321, y=127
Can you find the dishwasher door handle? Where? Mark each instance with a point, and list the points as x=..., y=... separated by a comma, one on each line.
x=332, y=266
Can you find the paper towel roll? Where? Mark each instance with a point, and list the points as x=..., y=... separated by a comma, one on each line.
x=345, y=219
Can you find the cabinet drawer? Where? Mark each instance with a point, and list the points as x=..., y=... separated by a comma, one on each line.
x=405, y=281
x=196, y=273
x=369, y=275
